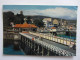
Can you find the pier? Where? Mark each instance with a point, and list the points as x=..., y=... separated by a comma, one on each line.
x=43, y=46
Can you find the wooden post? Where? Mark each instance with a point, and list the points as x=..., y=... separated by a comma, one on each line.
x=38, y=49
x=28, y=42
x=34, y=46
x=31, y=44
x=48, y=53
x=42, y=51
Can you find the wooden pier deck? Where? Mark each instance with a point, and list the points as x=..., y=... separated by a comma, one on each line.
x=60, y=49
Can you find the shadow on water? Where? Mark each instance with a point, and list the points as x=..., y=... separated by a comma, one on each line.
x=9, y=50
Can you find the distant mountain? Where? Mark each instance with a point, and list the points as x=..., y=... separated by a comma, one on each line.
x=42, y=17
x=39, y=17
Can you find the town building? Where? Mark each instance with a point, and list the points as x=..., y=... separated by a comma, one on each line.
x=24, y=27
x=55, y=22
x=47, y=22
x=59, y=23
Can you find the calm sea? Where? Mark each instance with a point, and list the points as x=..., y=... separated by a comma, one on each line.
x=10, y=51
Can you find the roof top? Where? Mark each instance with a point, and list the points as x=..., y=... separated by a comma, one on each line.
x=25, y=25
x=17, y=25
x=24, y=32
x=53, y=28
x=32, y=25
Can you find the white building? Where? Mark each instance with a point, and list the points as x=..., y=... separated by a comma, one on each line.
x=53, y=29
x=47, y=22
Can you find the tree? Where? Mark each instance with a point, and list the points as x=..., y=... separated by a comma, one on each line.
x=19, y=18
x=29, y=20
x=38, y=23
x=7, y=18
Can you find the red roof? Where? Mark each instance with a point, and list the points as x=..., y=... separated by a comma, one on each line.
x=24, y=32
x=53, y=28
x=33, y=26
x=17, y=25
x=25, y=25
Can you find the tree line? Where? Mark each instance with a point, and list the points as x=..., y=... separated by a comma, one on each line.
x=9, y=17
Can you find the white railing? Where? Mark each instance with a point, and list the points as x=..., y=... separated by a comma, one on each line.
x=65, y=41
x=54, y=48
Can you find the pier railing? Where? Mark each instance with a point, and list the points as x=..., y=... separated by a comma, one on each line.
x=54, y=48
x=45, y=49
x=62, y=40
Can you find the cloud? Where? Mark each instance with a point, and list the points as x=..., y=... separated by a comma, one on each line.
x=57, y=12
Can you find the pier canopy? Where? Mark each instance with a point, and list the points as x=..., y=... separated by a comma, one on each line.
x=33, y=26
x=17, y=25
x=25, y=25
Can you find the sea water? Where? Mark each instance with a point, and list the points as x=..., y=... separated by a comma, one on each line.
x=70, y=37
x=9, y=50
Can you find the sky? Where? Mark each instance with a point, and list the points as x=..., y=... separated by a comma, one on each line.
x=64, y=12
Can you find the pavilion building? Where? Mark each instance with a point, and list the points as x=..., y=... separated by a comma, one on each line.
x=24, y=27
